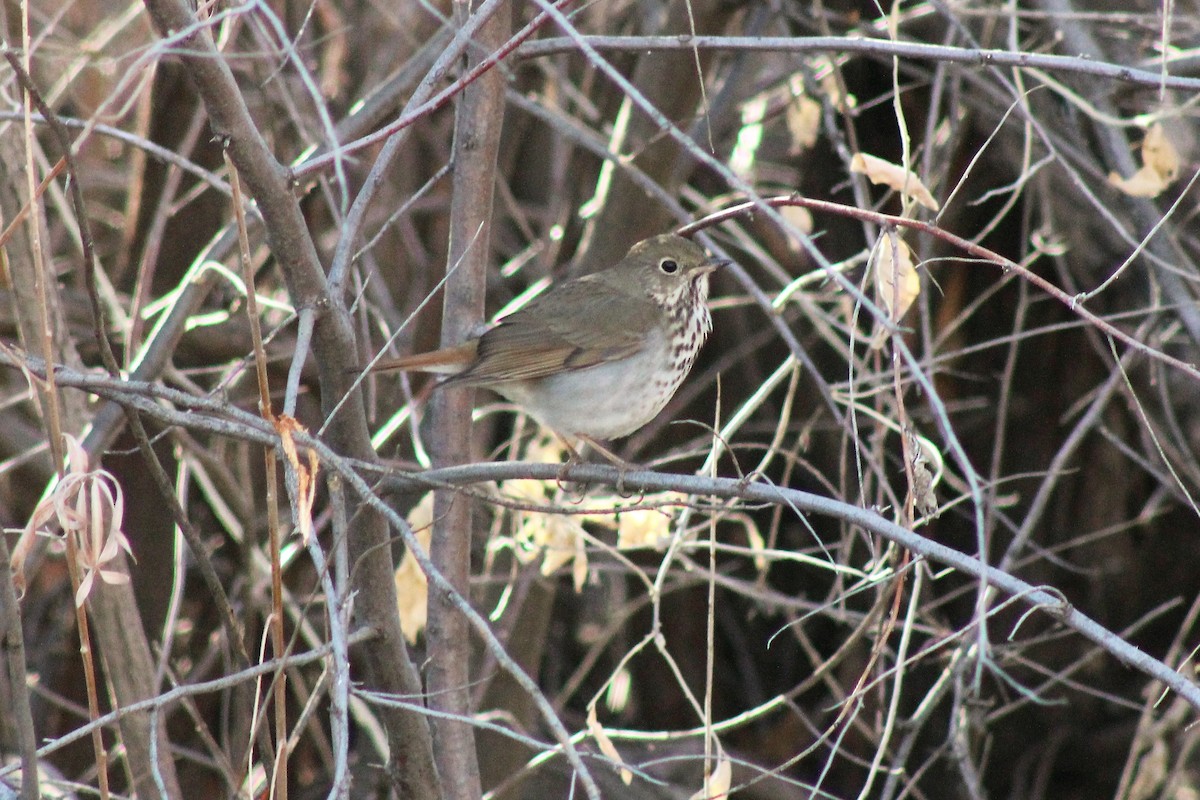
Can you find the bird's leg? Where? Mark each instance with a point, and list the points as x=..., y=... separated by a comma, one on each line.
x=572, y=459
x=621, y=464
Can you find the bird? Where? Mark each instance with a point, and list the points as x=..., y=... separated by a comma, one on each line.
x=594, y=357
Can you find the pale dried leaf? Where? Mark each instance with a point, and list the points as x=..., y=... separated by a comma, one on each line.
x=617, y=694
x=749, y=137
x=90, y=508
x=109, y=550
x=605, y=744
x=309, y=495
x=306, y=484
x=643, y=528
x=579, y=570
x=717, y=785
x=1159, y=153
x=758, y=545
x=557, y=536
x=24, y=546
x=77, y=457
x=85, y=588
x=897, y=283
x=894, y=176
x=1146, y=182
x=924, y=499
x=826, y=75
x=112, y=577
x=803, y=123
x=1160, y=166
x=420, y=518
x=802, y=219
x=116, y=524
x=93, y=544
x=412, y=587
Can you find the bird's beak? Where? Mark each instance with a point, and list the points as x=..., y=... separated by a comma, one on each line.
x=714, y=264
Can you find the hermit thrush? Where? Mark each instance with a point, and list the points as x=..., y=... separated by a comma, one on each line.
x=595, y=357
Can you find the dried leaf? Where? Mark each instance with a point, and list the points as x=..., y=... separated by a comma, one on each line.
x=605, y=744
x=802, y=219
x=897, y=283
x=77, y=457
x=412, y=587
x=85, y=588
x=826, y=75
x=642, y=528
x=893, y=176
x=1160, y=166
x=306, y=484
x=803, y=123
x=1146, y=182
x=579, y=570
x=558, y=537
x=1159, y=153
x=112, y=577
x=89, y=507
x=718, y=783
x=924, y=481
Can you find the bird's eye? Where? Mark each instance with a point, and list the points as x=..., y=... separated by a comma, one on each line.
x=669, y=266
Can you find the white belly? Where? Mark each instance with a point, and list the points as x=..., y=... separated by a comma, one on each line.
x=606, y=401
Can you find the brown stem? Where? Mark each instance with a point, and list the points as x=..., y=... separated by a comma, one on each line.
x=279, y=685
x=16, y=694
x=118, y=623
x=476, y=144
x=388, y=667
x=89, y=666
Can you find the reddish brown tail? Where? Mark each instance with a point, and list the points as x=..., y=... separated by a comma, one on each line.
x=447, y=361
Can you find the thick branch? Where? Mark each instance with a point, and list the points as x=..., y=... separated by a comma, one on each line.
x=476, y=144
x=389, y=667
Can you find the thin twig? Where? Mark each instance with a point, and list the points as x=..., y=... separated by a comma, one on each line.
x=882, y=48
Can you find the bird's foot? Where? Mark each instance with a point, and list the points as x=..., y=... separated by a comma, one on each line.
x=621, y=464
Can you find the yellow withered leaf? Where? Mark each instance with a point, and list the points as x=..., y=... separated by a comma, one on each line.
x=885, y=173
x=605, y=744
x=1158, y=152
x=412, y=589
x=897, y=283
x=717, y=786
x=803, y=119
x=1160, y=166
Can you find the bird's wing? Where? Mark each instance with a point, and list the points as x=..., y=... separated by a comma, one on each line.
x=579, y=324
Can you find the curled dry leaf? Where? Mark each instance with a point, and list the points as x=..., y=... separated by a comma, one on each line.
x=1160, y=166
x=897, y=283
x=803, y=118
x=894, y=176
x=412, y=587
x=89, y=507
x=717, y=785
x=825, y=71
x=1143, y=183
x=1159, y=152
x=802, y=219
x=923, y=480
x=561, y=540
x=643, y=528
x=305, y=491
x=605, y=744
